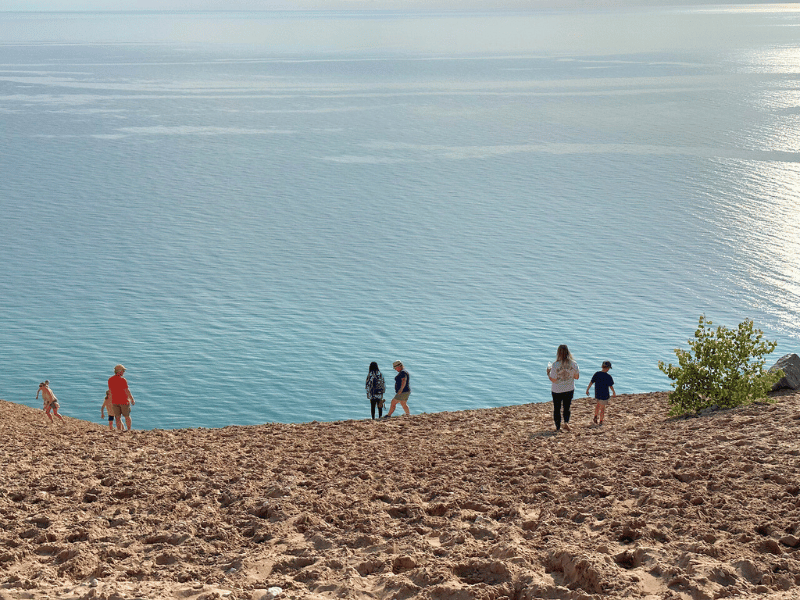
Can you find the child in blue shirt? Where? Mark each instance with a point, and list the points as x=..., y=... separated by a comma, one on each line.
x=604, y=383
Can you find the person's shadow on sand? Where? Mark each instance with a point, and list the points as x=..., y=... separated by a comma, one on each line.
x=543, y=434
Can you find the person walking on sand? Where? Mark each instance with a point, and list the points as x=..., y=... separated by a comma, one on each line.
x=402, y=388
x=50, y=401
x=562, y=374
x=376, y=387
x=121, y=397
x=604, y=383
x=108, y=407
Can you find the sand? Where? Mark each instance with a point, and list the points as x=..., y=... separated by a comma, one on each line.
x=481, y=504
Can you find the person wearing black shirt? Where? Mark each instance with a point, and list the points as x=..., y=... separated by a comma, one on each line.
x=402, y=388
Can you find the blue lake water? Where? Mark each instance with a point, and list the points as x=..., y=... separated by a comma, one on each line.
x=245, y=209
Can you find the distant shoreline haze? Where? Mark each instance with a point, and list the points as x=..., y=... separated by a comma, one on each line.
x=412, y=32
x=358, y=5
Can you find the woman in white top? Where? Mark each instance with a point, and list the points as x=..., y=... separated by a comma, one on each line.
x=563, y=374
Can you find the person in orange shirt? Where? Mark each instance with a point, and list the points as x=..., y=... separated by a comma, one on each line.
x=121, y=397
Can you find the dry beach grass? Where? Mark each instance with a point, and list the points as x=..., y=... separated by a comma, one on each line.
x=481, y=504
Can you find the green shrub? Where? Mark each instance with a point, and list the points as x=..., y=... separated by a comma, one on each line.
x=724, y=367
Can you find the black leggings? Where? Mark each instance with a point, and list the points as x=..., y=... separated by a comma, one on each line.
x=560, y=398
x=376, y=402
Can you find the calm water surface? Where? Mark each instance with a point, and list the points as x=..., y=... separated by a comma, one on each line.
x=246, y=209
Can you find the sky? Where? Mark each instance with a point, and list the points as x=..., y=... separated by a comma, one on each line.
x=415, y=5
x=68, y=5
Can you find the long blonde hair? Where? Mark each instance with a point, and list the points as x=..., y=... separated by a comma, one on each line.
x=563, y=354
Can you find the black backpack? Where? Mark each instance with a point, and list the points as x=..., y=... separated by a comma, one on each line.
x=378, y=385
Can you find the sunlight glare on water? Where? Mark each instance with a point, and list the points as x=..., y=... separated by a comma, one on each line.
x=246, y=209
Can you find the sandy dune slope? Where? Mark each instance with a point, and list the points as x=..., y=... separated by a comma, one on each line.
x=482, y=504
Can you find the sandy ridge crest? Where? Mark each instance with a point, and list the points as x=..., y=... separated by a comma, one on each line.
x=480, y=504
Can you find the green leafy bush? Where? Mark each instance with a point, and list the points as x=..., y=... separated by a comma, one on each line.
x=724, y=367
